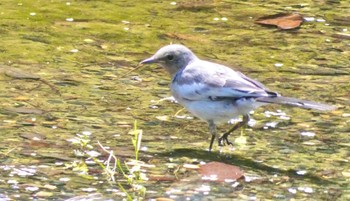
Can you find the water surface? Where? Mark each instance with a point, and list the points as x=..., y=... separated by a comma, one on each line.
x=85, y=49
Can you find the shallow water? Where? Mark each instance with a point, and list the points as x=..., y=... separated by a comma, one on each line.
x=85, y=50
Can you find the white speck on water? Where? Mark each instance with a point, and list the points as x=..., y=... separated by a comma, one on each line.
x=278, y=64
x=292, y=190
x=309, y=19
x=144, y=148
x=216, y=19
x=234, y=120
x=345, y=30
x=328, y=40
x=74, y=50
x=224, y=19
x=272, y=124
x=301, y=172
x=126, y=28
x=173, y=191
x=346, y=115
x=309, y=143
x=203, y=188
x=12, y=182
x=210, y=178
x=88, y=189
x=252, y=198
x=32, y=188
x=68, y=3
x=54, y=127
x=125, y=22
x=32, y=14
x=285, y=117
x=59, y=163
x=308, y=134
x=173, y=3
x=70, y=19
x=93, y=153
x=153, y=107
x=250, y=178
x=87, y=133
x=65, y=179
x=320, y=20
x=306, y=189
x=234, y=185
x=252, y=122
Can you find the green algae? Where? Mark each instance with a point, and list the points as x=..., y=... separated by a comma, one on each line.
x=85, y=49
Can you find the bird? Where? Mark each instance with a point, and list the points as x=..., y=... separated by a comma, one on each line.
x=216, y=93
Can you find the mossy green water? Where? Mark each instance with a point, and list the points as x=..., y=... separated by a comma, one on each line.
x=85, y=49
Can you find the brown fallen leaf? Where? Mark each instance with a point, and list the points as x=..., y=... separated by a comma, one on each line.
x=23, y=110
x=195, y=5
x=341, y=36
x=19, y=74
x=283, y=21
x=164, y=199
x=217, y=171
x=161, y=178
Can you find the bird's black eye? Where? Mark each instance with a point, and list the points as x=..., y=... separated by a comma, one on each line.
x=170, y=57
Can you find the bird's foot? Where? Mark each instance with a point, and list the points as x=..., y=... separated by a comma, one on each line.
x=224, y=141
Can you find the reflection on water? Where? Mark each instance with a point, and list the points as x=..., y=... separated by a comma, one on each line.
x=86, y=50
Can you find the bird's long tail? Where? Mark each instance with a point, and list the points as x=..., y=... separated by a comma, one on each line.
x=296, y=102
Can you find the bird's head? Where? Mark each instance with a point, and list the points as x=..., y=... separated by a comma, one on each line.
x=172, y=57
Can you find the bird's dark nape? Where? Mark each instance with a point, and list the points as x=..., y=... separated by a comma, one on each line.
x=297, y=103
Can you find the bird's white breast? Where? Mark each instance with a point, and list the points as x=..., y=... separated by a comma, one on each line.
x=219, y=111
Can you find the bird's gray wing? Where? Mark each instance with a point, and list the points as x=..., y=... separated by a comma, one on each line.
x=207, y=80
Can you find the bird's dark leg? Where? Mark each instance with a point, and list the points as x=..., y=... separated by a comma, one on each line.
x=223, y=139
x=212, y=130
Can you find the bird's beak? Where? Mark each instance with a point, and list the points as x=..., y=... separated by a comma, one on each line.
x=148, y=61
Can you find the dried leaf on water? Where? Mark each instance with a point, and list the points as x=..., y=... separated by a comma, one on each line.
x=164, y=199
x=19, y=74
x=283, y=21
x=341, y=36
x=221, y=172
x=195, y=5
x=23, y=110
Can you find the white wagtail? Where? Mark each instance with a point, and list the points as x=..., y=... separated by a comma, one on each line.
x=216, y=93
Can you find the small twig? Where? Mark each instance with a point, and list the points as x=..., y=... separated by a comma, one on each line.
x=10, y=151
x=51, y=86
x=127, y=73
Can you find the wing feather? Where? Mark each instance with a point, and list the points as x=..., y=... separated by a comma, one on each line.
x=205, y=80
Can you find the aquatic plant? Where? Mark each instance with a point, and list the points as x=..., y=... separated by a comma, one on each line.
x=129, y=170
